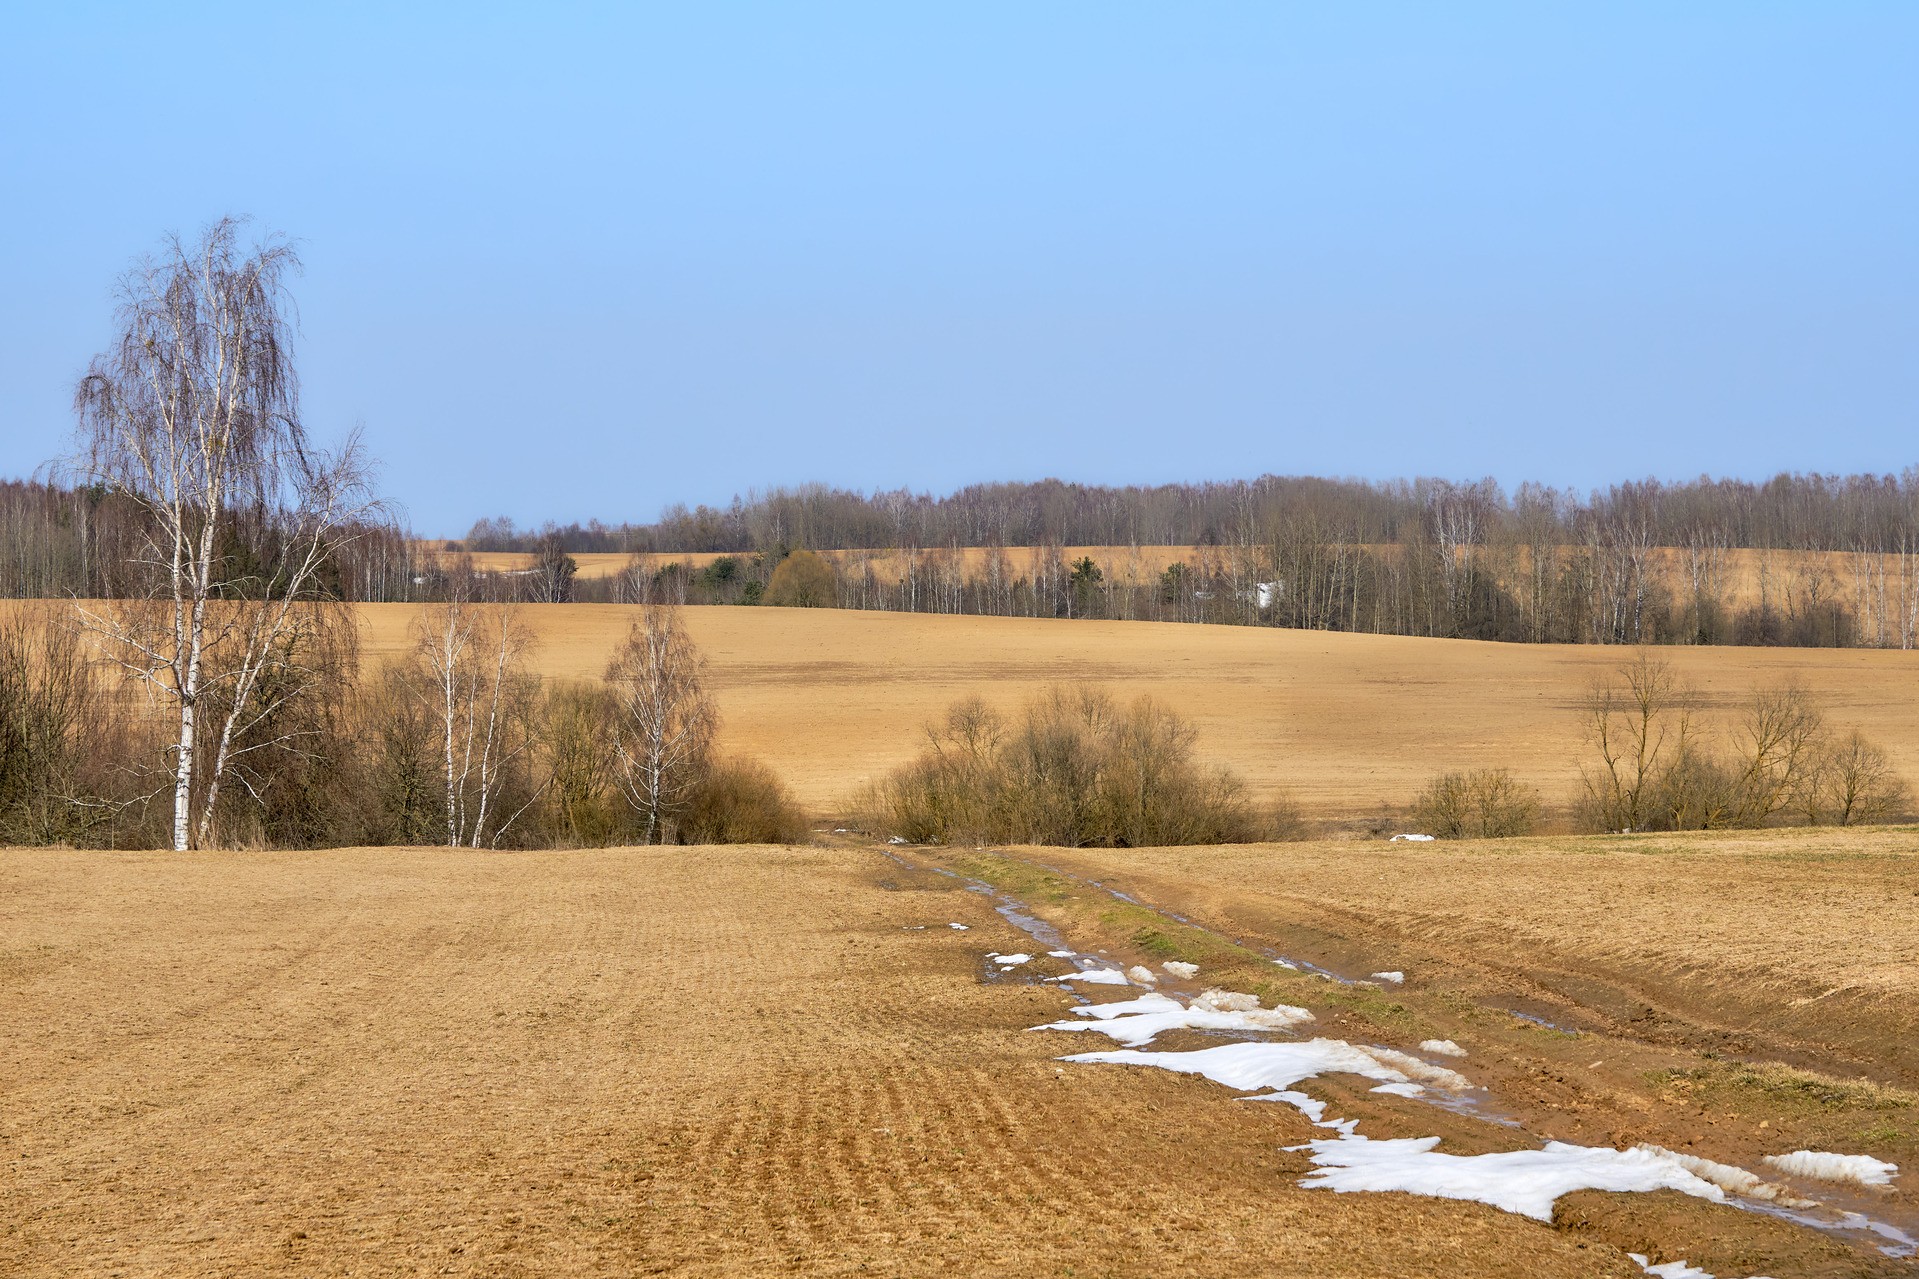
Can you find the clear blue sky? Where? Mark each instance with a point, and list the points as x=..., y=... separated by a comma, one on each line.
x=570, y=261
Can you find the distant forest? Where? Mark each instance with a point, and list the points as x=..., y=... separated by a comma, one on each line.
x=1799, y=559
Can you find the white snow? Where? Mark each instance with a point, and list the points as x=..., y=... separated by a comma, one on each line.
x=1287, y=964
x=1011, y=961
x=1225, y=1001
x=1061, y=954
x=1669, y=1269
x=896, y=840
x=1137, y=1021
x=1256, y=1067
x=1731, y=1179
x=1096, y=977
x=1395, y=977
x=1526, y=1182
x=1823, y=1165
x=1441, y=1047
x=1142, y=975
x=1180, y=969
x=957, y=927
x=1415, y=839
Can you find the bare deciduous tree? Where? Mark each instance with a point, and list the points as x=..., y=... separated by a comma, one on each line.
x=664, y=719
x=1637, y=726
x=473, y=659
x=192, y=417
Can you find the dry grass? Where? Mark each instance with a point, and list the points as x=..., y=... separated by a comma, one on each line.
x=1346, y=723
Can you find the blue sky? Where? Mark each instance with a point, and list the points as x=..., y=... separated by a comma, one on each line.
x=572, y=261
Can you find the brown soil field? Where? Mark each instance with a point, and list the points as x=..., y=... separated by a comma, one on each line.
x=1344, y=723
x=763, y=1061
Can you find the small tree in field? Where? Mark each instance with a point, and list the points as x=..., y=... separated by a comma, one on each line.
x=192, y=417
x=664, y=720
x=803, y=580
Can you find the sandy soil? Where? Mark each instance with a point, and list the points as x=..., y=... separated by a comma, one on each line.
x=688, y=1062
x=1346, y=723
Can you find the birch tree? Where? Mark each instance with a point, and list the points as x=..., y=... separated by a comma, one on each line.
x=664, y=719
x=192, y=416
x=472, y=659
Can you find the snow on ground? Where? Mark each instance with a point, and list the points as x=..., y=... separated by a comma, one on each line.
x=1180, y=969
x=1822, y=1165
x=1394, y=977
x=1061, y=954
x=1009, y=961
x=1527, y=1182
x=1728, y=1178
x=958, y=928
x=1142, y=975
x=1136, y=1021
x=1520, y=1181
x=1669, y=1269
x=1096, y=977
x=1441, y=1047
x=1416, y=839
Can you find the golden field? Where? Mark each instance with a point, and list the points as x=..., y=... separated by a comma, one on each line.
x=1342, y=722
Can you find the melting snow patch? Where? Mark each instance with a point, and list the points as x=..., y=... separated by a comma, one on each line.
x=1096, y=977
x=1669, y=1269
x=957, y=927
x=1521, y=1181
x=896, y=840
x=1143, y=975
x=1822, y=1165
x=1182, y=970
x=1287, y=964
x=1395, y=977
x=1415, y=839
x=1060, y=954
x=1732, y=1180
x=1441, y=1047
x=1257, y=1067
x=1137, y=1021
x=1010, y=961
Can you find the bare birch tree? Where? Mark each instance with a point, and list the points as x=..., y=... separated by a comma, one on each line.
x=473, y=657
x=192, y=416
x=664, y=719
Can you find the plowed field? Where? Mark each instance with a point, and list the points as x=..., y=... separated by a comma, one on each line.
x=762, y=1061
x=1345, y=723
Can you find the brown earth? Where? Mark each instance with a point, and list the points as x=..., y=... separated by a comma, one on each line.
x=1348, y=724
x=700, y=1062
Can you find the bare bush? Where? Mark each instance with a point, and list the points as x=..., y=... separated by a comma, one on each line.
x=582, y=807
x=1658, y=770
x=1487, y=803
x=803, y=580
x=1075, y=769
x=741, y=801
x=1851, y=782
x=70, y=750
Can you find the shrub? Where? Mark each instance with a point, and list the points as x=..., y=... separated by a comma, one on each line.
x=741, y=801
x=803, y=580
x=1074, y=770
x=1486, y=803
